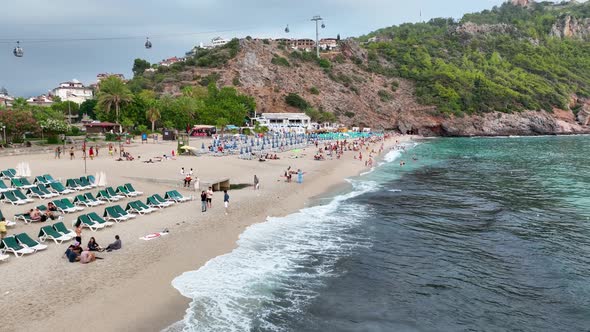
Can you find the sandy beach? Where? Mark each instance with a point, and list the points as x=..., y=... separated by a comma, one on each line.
x=130, y=289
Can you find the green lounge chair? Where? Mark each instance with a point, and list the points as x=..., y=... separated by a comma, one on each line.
x=25, y=240
x=40, y=180
x=19, y=194
x=60, y=189
x=146, y=208
x=103, y=195
x=113, y=193
x=10, y=245
x=35, y=192
x=175, y=196
x=71, y=184
x=86, y=222
x=8, y=197
x=63, y=208
x=6, y=175
x=26, y=217
x=49, y=233
x=92, y=180
x=49, y=178
x=162, y=200
x=98, y=219
x=111, y=214
x=3, y=187
x=15, y=183
x=122, y=190
x=61, y=228
x=93, y=199
x=154, y=203
x=67, y=203
x=136, y=208
x=84, y=181
x=45, y=191
x=124, y=213
x=26, y=183
x=132, y=190
x=82, y=200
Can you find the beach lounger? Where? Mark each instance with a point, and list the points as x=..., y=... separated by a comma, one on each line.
x=49, y=233
x=123, y=212
x=10, y=245
x=137, y=208
x=60, y=189
x=86, y=222
x=81, y=185
x=146, y=208
x=26, y=184
x=174, y=195
x=61, y=228
x=35, y=192
x=67, y=203
x=3, y=257
x=25, y=240
x=8, y=197
x=90, y=198
x=40, y=180
x=154, y=203
x=132, y=190
x=113, y=193
x=84, y=181
x=6, y=175
x=92, y=180
x=123, y=191
x=111, y=214
x=3, y=187
x=43, y=189
x=72, y=185
x=63, y=208
x=19, y=194
x=26, y=217
x=103, y=195
x=50, y=179
x=162, y=200
x=81, y=200
x=98, y=219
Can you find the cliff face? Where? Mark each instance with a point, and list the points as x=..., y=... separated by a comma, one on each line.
x=571, y=27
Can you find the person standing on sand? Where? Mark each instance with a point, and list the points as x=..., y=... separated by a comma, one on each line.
x=203, y=201
x=110, y=149
x=71, y=153
x=226, y=200
x=256, y=182
x=91, y=153
x=210, y=197
x=197, y=184
x=96, y=151
x=299, y=176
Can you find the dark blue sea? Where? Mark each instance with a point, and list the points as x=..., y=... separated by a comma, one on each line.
x=480, y=234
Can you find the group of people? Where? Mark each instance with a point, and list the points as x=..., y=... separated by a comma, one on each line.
x=36, y=215
x=187, y=178
x=207, y=199
x=76, y=253
x=288, y=175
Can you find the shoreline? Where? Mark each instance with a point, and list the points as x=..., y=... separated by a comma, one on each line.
x=135, y=291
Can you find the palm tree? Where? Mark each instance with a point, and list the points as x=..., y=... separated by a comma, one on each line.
x=113, y=92
x=153, y=114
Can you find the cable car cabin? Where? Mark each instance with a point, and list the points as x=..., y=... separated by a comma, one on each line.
x=148, y=43
x=18, y=51
x=201, y=131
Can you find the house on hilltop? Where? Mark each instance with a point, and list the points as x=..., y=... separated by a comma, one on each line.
x=74, y=91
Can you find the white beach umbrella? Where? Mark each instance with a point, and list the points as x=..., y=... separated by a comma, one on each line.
x=103, y=180
x=27, y=169
x=96, y=178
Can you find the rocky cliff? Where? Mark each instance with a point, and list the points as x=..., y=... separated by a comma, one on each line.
x=571, y=27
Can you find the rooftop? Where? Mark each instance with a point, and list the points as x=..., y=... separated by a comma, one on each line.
x=285, y=116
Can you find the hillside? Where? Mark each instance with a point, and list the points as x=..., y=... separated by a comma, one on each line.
x=512, y=70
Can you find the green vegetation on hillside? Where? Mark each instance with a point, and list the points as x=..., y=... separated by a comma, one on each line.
x=520, y=67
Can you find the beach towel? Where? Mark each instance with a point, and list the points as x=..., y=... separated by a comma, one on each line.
x=152, y=236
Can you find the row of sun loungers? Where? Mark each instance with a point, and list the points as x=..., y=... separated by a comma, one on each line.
x=22, y=244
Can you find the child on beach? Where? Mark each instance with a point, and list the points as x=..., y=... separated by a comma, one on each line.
x=226, y=200
x=203, y=201
x=209, y=197
x=2, y=228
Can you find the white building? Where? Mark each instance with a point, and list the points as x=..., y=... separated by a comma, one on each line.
x=73, y=91
x=218, y=41
x=41, y=100
x=328, y=44
x=5, y=98
x=285, y=121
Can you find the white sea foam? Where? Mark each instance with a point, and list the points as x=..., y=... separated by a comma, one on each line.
x=274, y=270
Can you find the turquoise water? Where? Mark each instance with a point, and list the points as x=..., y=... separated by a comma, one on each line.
x=481, y=234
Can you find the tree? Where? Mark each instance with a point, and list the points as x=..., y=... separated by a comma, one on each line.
x=17, y=123
x=87, y=108
x=153, y=114
x=139, y=66
x=222, y=123
x=66, y=107
x=113, y=93
x=19, y=103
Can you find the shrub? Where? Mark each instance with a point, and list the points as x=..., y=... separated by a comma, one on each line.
x=314, y=91
x=394, y=86
x=280, y=61
x=325, y=63
x=297, y=101
x=384, y=95
x=349, y=114
x=266, y=42
x=339, y=58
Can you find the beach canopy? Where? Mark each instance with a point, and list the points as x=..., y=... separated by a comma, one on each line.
x=187, y=147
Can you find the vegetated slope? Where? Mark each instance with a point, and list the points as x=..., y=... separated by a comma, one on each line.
x=508, y=71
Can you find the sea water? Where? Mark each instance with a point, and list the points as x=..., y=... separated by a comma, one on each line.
x=482, y=234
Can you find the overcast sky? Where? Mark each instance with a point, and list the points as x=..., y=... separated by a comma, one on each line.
x=175, y=26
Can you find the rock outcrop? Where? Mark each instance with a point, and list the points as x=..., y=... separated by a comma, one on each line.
x=571, y=27
x=470, y=28
x=522, y=3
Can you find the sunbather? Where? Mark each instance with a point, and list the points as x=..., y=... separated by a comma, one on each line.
x=73, y=252
x=2, y=228
x=93, y=246
x=115, y=245
x=87, y=257
x=36, y=215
